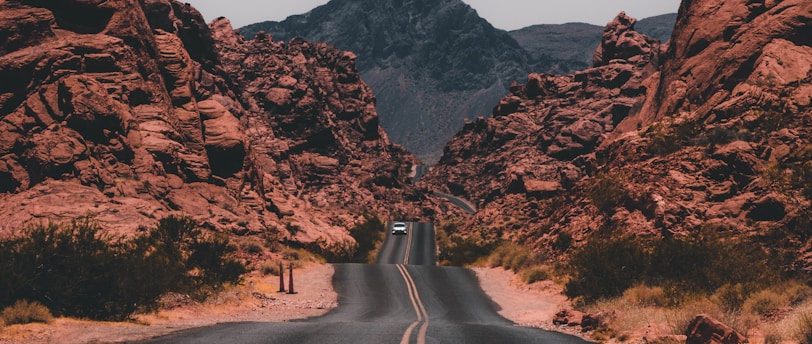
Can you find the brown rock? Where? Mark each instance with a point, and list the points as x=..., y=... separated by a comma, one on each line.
x=621, y=42
x=706, y=330
x=224, y=138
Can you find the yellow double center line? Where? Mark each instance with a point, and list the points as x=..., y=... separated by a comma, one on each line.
x=410, y=234
x=419, y=309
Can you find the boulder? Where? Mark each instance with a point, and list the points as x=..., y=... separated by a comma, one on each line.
x=707, y=330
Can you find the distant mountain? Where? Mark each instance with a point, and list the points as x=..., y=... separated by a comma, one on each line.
x=430, y=63
x=433, y=64
x=659, y=27
x=570, y=46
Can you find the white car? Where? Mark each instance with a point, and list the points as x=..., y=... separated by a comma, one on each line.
x=399, y=228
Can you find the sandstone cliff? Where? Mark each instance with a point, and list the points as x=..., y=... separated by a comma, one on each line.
x=128, y=111
x=712, y=130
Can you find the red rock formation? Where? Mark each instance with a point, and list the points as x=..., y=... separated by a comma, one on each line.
x=718, y=135
x=541, y=140
x=127, y=111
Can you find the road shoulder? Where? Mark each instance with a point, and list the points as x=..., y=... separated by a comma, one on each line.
x=530, y=305
x=257, y=300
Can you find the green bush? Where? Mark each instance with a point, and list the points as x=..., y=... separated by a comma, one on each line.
x=75, y=270
x=704, y=262
x=368, y=236
x=457, y=249
x=24, y=312
x=606, y=268
x=701, y=264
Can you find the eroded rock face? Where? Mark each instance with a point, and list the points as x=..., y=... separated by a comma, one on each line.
x=711, y=132
x=541, y=139
x=126, y=110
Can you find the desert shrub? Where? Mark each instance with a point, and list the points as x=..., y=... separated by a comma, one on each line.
x=535, y=274
x=772, y=338
x=563, y=241
x=606, y=268
x=458, y=249
x=731, y=296
x=252, y=247
x=701, y=264
x=334, y=252
x=75, y=270
x=765, y=301
x=369, y=235
x=666, y=137
x=517, y=259
x=510, y=255
x=802, y=178
x=24, y=312
x=643, y=295
x=607, y=191
x=704, y=262
x=269, y=268
x=804, y=329
x=796, y=291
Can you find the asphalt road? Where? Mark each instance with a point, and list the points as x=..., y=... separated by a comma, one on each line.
x=403, y=299
x=419, y=243
x=466, y=205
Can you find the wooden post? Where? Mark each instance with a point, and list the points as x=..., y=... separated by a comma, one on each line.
x=290, y=285
x=281, y=278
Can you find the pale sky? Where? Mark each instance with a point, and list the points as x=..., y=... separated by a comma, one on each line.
x=503, y=14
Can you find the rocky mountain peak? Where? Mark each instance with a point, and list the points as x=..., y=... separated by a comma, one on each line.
x=621, y=41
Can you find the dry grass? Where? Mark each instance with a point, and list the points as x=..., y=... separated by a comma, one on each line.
x=269, y=267
x=646, y=296
x=300, y=257
x=535, y=274
x=638, y=309
x=24, y=312
x=796, y=325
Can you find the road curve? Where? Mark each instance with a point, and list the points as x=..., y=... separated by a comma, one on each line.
x=402, y=299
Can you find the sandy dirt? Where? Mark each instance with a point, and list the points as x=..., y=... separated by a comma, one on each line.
x=257, y=299
x=531, y=305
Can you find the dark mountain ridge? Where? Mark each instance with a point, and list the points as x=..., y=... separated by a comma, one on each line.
x=435, y=64
x=431, y=63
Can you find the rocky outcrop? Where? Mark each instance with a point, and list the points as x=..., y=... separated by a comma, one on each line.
x=706, y=330
x=710, y=131
x=317, y=135
x=126, y=110
x=541, y=139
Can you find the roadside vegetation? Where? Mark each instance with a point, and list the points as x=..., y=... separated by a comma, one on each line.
x=368, y=236
x=672, y=280
x=633, y=283
x=480, y=248
x=75, y=269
